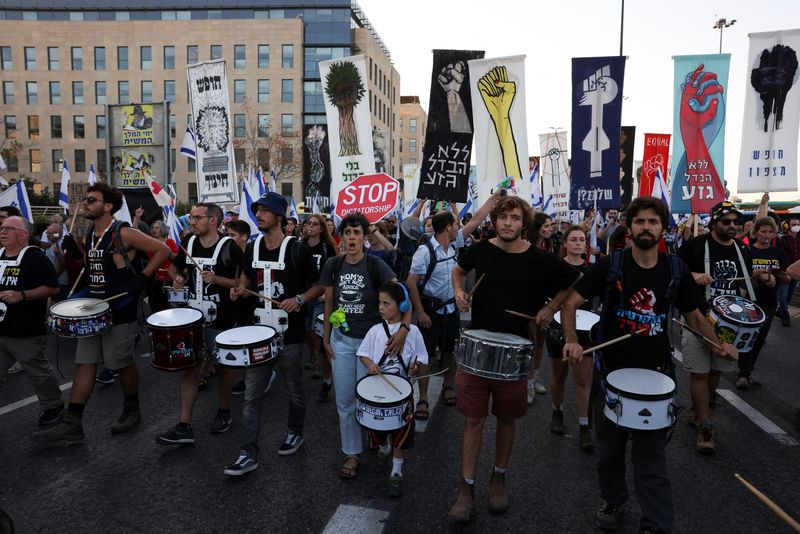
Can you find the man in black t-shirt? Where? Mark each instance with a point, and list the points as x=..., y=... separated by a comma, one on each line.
x=27, y=279
x=638, y=304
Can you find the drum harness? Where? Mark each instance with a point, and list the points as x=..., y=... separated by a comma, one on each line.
x=707, y=267
x=9, y=263
x=208, y=308
x=614, y=283
x=401, y=437
x=267, y=315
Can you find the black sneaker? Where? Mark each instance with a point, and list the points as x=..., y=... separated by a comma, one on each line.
x=324, y=391
x=292, y=443
x=243, y=465
x=238, y=388
x=178, y=435
x=396, y=485
x=609, y=516
x=222, y=422
x=68, y=429
x=786, y=319
x=51, y=415
x=106, y=376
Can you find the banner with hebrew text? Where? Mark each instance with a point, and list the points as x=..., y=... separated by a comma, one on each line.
x=554, y=165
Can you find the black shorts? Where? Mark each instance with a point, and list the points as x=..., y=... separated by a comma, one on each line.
x=443, y=333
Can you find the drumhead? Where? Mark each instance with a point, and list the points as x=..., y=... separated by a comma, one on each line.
x=70, y=308
x=375, y=390
x=174, y=317
x=245, y=335
x=584, y=320
x=738, y=310
x=321, y=318
x=497, y=338
x=640, y=383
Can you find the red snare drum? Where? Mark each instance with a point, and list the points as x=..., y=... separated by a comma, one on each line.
x=176, y=338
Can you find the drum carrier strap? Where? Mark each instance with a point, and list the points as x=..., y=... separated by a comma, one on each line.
x=265, y=313
x=199, y=300
x=707, y=266
x=11, y=263
x=386, y=354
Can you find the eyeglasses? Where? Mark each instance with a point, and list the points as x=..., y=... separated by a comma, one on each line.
x=90, y=200
x=10, y=228
x=728, y=222
x=192, y=218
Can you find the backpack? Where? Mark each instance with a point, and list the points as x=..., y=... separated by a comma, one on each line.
x=372, y=271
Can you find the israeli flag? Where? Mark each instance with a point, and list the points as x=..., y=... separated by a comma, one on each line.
x=92, y=179
x=548, y=207
x=412, y=207
x=245, y=213
x=467, y=207
x=17, y=196
x=660, y=191
x=173, y=225
x=293, y=210
x=2, y=163
x=536, y=188
x=63, y=195
x=259, y=182
x=188, y=146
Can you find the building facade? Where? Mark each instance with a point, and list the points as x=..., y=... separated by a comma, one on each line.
x=63, y=61
x=413, y=123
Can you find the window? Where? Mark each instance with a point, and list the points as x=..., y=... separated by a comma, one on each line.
x=99, y=92
x=33, y=126
x=11, y=126
x=32, y=93
x=55, y=127
x=263, y=91
x=169, y=90
x=239, y=125
x=262, y=155
x=263, y=125
x=122, y=58
x=5, y=58
x=286, y=155
x=147, y=91
x=173, y=126
x=412, y=125
x=36, y=159
x=412, y=161
x=77, y=58
x=52, y=58
x=287, y=91
x=78, y=127
x=240, y=157
x=287, y=123
x=192, y=54
x=238, y=56
x=216, y=51
x=169, y=57
x=191, y=166
x=173, y=159
x=100, y=124
x=124, y=92
x=101, y=161
x=58, y=160
x=412, y=146
x=287, y=189
x=401, y=144
x=287, y=60
x=8, y=93
x=146, y=57
x=99, y=58
x=77, y=93
x=55, y=93
x=79, y=165
x=263, y=56
x=30, y=58
x=238, y=91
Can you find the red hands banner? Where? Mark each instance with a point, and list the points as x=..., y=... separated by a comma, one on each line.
x=656, y=156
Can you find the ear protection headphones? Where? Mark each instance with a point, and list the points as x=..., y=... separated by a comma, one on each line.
x=406, y=304
x=785, y=226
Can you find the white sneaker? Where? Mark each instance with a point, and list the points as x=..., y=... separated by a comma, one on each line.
x=531, y=393
x=540, y=388
x=16, y=368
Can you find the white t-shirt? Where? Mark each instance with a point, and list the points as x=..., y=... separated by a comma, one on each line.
x=374, y=345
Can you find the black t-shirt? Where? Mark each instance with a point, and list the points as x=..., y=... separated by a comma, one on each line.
x=768, y=259
x=230, y=257
x=108, y=274
x=583, y=269
x=26, y=318
x=519, y=281
x=724, y=264
x=300, y=273
x=321, y=252
x=644, y=305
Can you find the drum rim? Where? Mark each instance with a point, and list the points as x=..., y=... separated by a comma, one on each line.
x=756, y=324
x=104, y=306
x=640, y=396
x=268, y=340
x=385, y=404
x=465, y=334
x=173, y=310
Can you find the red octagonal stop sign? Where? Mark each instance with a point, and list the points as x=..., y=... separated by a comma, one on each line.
x=374, y=195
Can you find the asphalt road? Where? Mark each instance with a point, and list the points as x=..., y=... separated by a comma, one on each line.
x=128, y=483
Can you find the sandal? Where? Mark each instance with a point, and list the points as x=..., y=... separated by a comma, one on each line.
x=448, y=401
x=349, y=468
x=421, y=414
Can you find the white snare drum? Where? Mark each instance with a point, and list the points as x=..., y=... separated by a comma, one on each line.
x=640, y=399
x=177, y=297
x=246, y=346
x=736, y=320
x=80, y=317
x=494, y=354
x=319, y=325
x=379, y=407
x=584, y=322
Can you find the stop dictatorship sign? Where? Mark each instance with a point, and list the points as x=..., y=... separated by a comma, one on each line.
x=374, y=195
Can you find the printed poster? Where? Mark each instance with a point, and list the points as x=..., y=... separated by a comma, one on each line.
x=316, y=166
x=655, y=159
x=554, y=172
x=137, y=126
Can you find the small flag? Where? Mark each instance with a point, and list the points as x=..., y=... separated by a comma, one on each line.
x=2, y=164
x=124, y=214
x=536, y=188
x=467, y=207
x=293, y=210
x=412, y=207
x=92, y=179
x=188, y=146
x=63, y=195
x=548, y=207
x=245, y=213
x=172, y=223
x=262, y=190
x=17, y=196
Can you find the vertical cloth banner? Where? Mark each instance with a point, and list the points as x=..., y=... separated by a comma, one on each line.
x=316, y=165
x=597, y=84
x=700, y=93
x=555, y=173
x=501, y=132
x=768, y=160
x=656, y=156
x=344, y=83
x=211, y=121
x=627, y=136
x=446, y=153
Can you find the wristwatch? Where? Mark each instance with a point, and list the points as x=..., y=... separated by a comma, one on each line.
x=404, y=325
x=299, y=300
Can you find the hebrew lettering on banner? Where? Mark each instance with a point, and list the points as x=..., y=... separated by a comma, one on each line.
x=655, y=158
x=216, y=168
x=554, y=172
x=316, y=166
x=627, y=137
x=597, y=84
x=768, y=160
x=699, y=132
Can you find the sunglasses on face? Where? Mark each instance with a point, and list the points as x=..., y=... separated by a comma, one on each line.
x=728, y=222
x=90, y=200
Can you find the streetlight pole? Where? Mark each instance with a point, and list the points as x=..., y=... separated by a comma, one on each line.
x=721, y=24
x=621, y=25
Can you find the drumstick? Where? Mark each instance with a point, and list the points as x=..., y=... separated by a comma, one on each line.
x=430, y=375
x=190, y=258
x=611, y=342
x=109, y=299
x=475, y=287
x=523, y=315
x=262, y=297
x=769, y=502
x=389, y=382
x=698, y=334
x=77, y=280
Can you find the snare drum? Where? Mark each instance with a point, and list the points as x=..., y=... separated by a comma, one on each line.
x=736, y=320
x=379, y=407
x=494, y=354
x=246, y=346
x=177, y=297
x=80, y=317
x=319, y=325
x=640, y=399
x=176, y=338
x=584, y=322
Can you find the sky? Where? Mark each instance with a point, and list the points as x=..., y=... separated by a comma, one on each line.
x=549, y=34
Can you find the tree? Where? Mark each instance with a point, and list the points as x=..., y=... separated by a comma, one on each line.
x=11, y=148
x=345, y=89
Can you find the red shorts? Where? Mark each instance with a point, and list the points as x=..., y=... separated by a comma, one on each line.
x=509, y=397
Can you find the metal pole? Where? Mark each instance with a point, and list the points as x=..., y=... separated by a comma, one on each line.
x=622, y=25
x=721, y=27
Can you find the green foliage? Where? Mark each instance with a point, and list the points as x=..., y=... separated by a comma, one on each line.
x=182, y=208
x=343, y=85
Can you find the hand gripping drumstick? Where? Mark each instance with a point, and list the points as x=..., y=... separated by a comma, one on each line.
x=769, y=502
x=698, y=334
x=611, y=342
x=475, y=287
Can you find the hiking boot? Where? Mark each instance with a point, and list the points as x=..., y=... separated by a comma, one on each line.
x=742, y=383
x=130, y=418
x=396, y=485
x=557, y=422
x=69, y=429
x=464, y=508
x=50, y=415
x=178, y=435
x=243, y=465
x=609, y=516
x=706, y=440
x=540, y=388
x=292, y=443
x=585, y=440
x=498, y=496
x=222, y=422
x=324, y=391
x=238, y=388
x=531, y=393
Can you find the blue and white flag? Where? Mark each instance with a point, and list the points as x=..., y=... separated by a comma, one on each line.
x=549, y=207
x=315, y=208
x=259, y=181
x=173, y=225
x=293, y=210
x=467, y=207
x=63, y=195
x=17, y=196
x=536, y=188
x=245, y=213
x=660, y=191
x=412, y=207
x=188, y=146
x=92, y=179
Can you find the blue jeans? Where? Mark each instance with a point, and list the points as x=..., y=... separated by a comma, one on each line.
x=785, y=292
x=347, y=371
x=256, y=380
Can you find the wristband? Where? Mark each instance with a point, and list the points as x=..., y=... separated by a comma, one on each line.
x=404, y=325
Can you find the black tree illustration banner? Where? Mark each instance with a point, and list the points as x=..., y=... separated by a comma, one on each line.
x=444, y=173
x=316, y=167
x=344, y=87
x=768, y=160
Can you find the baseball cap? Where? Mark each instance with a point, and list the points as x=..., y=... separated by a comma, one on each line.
x=724, y=208
x=234, y=210
x=273, y=202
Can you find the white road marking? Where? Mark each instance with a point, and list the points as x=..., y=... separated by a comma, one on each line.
x=757, y=417
x=349, y=519
x=434, y=387
x=29, y=400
